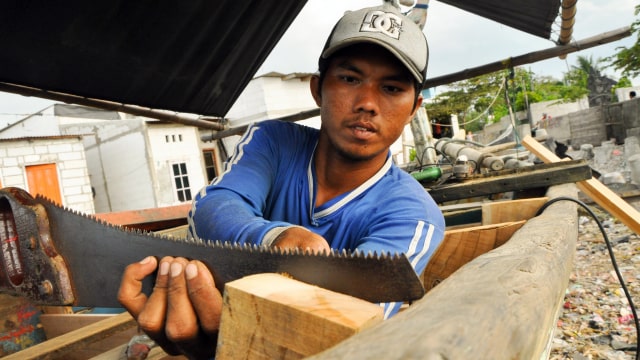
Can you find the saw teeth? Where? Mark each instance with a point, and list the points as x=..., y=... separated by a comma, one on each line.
x=344, y=253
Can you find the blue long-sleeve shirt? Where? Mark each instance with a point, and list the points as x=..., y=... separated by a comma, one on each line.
x=269, y=183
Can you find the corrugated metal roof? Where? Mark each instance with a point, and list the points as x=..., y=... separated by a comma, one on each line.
x=50, y=137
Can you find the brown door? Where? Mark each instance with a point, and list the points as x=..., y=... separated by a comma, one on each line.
x=43, y=180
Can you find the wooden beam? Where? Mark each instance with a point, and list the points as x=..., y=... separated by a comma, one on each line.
x=529, y=58
x=501, y=305
x=60, y=324
x=593, y=188
x=537, y=176
x=270, y=316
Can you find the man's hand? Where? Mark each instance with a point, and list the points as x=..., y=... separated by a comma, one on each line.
x=301, y=238
x=182, y=314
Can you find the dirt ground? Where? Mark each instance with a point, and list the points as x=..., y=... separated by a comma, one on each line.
x=596, y=321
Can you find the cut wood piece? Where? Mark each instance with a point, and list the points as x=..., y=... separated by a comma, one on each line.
x=593, y=188
x=463, y=245
x=77, y=339
x=512, y=210
x=269, y=316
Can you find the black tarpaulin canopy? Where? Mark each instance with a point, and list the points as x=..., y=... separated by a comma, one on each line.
x=531, y=16
x=192, y=56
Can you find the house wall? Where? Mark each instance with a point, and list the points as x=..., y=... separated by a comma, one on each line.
x=623, y=93
x=119, y=164
x=271, y=97
x=68, y=155
x=598, y=124
x=171, y=144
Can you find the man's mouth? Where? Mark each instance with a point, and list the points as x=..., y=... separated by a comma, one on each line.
x=362, y=132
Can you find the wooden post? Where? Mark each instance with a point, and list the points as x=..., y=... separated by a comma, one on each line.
x=270, y=316
x=502, y=305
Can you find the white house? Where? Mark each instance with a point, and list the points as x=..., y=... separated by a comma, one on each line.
x=52, y=166
x=136, y=162
x=132, y=162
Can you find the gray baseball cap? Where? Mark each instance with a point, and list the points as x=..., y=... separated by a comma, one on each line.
x=386, y=26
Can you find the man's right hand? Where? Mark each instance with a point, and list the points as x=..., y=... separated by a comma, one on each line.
x=182, y=314
x=300, y=238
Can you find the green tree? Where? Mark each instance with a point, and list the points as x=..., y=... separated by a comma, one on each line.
x=627, y=59
x=481, y=100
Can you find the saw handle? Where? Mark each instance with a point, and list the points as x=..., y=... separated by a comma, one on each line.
x=30, y=265
x=12, y=268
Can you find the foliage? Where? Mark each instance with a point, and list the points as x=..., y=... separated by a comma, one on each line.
x=627, y=60
x=483, y=99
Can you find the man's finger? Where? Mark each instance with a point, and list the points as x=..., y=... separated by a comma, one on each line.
x=205, y=297
x=152, y=317
x=182, y=324
x=130, y=294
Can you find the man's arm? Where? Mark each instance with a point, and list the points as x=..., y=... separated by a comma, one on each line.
x=231, y=208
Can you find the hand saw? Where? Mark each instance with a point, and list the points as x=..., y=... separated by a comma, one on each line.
x=55, y=256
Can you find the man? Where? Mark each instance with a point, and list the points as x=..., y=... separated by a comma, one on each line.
x=289, y=186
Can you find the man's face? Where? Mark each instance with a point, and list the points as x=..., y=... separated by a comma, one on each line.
x=366, y=99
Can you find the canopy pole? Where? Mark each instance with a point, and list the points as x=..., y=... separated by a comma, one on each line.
x=110, y=105
x=531, y=57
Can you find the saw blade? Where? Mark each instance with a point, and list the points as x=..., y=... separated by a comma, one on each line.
x=96, y=254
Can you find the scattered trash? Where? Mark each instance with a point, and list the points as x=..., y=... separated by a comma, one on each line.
x=596, y=322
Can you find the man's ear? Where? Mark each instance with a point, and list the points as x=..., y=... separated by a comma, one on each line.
x=416, y=107
x=314, y=85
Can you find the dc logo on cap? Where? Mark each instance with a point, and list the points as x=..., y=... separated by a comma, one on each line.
x=382, y=22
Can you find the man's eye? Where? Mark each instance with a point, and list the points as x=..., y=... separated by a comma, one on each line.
x=348, y=79
x=392, y=89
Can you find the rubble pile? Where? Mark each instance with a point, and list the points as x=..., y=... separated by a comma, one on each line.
x=595, y=320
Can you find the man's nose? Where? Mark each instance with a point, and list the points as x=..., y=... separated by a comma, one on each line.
x=366, y=99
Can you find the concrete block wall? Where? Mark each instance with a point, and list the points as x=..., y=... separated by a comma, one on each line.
x=68, y=155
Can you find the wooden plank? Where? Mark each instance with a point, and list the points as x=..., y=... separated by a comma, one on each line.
x=270, y=316
x=593, y=188
x=512, y=210
x=61, y=346
x=497, y=148
x=537, y=176
x=463, y=245
x=148, y=219
x=57, y=325
x=501, y=305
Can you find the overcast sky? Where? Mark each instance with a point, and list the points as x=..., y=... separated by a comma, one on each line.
x=457, y=40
